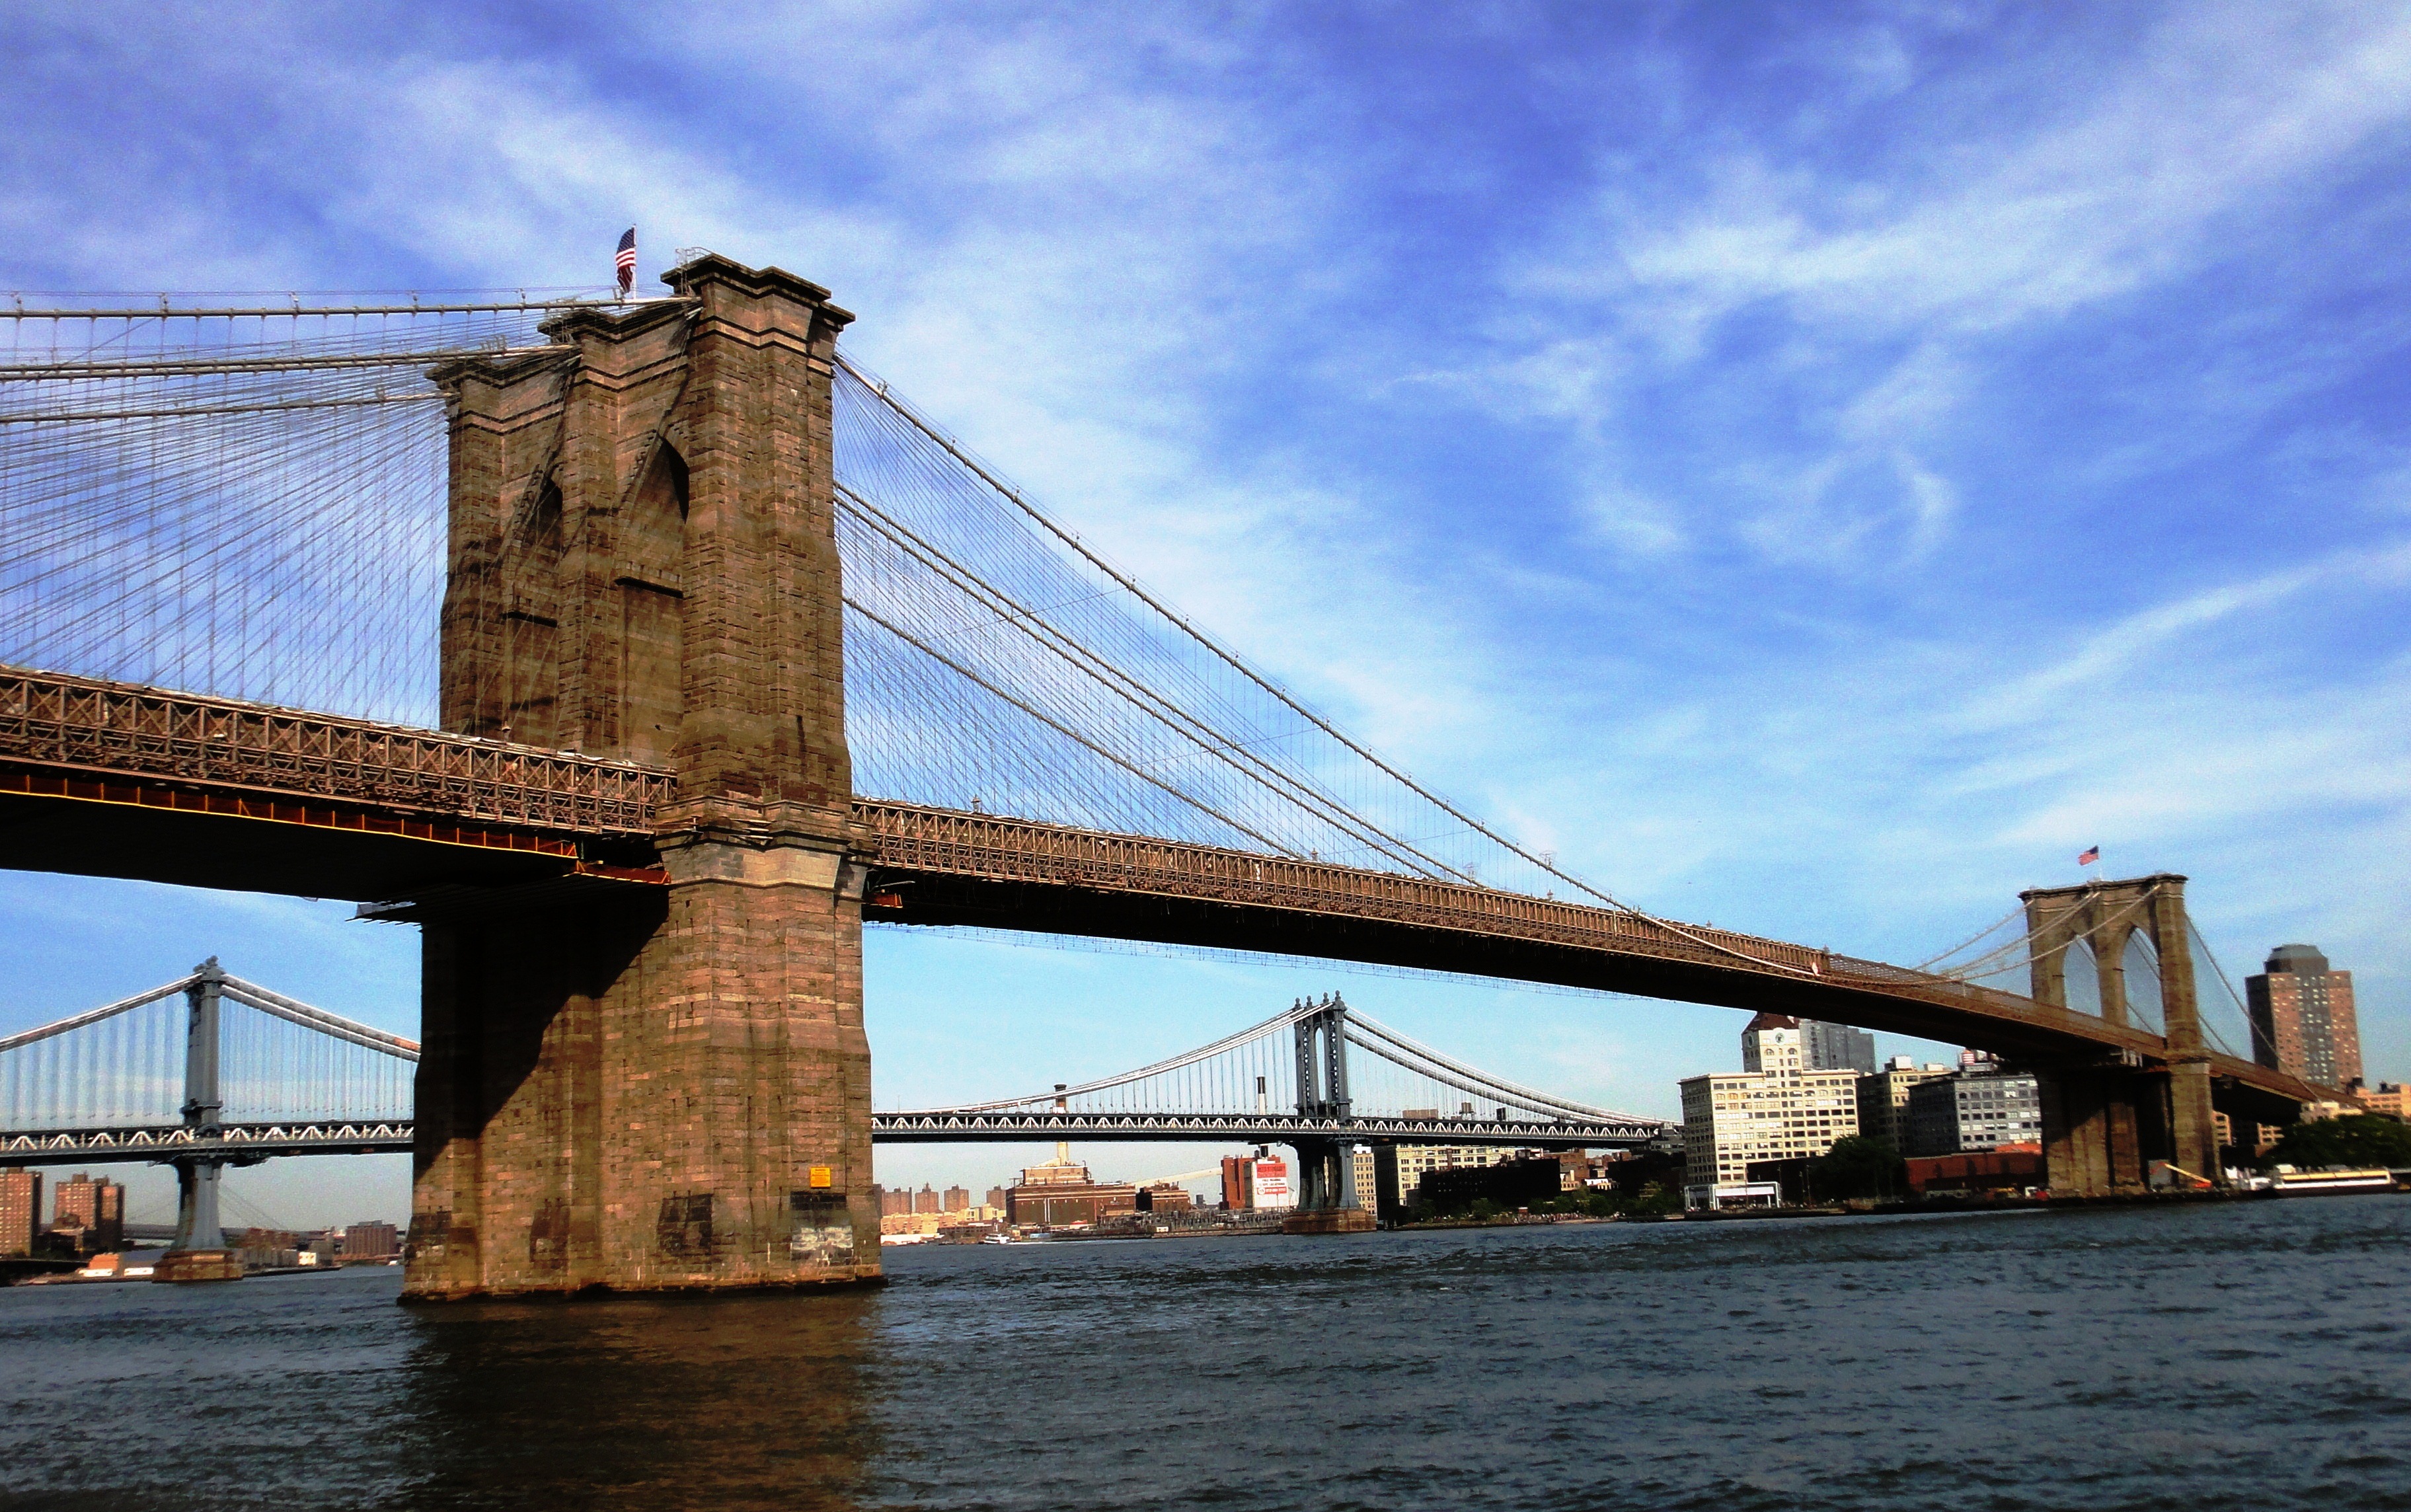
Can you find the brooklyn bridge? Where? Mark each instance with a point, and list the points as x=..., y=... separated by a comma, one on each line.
x=638, y=652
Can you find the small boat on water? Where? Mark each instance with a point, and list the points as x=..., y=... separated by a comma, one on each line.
x=1000, y=1238
x=2288, y=1181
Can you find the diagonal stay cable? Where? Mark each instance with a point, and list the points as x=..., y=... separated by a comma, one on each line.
x=1285, y=1019
x=1531, y=1097
x=1102, y=670
x=1065, y=731
x=125, y=1005
x=1230, y=659
x=333, y=1025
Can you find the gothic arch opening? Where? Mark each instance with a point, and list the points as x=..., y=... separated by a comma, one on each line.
x=652, y=592
x=2080, y=977
x=531, y=622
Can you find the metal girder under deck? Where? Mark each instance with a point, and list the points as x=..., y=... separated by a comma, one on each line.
x=117, y=779
x=231, y=1143
x=945, y=1127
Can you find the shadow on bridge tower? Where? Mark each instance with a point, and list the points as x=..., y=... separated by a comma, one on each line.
x=654, y=1087
x=2104, y=1122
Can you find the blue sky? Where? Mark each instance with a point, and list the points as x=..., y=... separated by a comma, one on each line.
x=1814, y=467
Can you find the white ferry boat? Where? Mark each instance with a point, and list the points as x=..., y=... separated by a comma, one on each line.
x=2288, y=1181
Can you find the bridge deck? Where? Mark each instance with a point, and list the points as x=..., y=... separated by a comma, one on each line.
x=117, y=779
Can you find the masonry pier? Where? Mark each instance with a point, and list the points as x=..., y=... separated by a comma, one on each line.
x=2105, y=1121
x=653, y=1075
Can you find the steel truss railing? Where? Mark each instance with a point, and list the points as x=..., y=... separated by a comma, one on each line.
x=85, y=724
x=911, y=837
x=965, y=1127
x=64, y=724
x=231, y=1143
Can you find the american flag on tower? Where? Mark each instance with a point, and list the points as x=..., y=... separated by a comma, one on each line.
x=627, y=261
x=2089, y=857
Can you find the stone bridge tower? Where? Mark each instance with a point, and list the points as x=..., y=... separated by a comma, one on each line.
x=2104, y=1122
x=654, y=1087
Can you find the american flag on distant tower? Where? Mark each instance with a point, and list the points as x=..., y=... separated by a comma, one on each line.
x=2089, y=857
x=627, y=262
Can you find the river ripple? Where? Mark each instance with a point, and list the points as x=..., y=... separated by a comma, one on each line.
x=2246, y=1356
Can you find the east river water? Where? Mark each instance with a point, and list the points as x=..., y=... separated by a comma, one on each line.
x=2248, y=1356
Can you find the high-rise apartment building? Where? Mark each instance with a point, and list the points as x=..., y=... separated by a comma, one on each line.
x=1838, y=1047
x=995, y=1196
x=958, y=1200
x=1777, y=1109
x=1973, y=1111
x=1883, y=1099
x=2302, y=1019
x=926, y=1199
x=91, y=1212
x=21, y=1210
x=895, y=1199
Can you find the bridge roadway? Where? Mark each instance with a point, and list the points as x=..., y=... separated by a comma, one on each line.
x=243, y=1144
x=233, y=1144
x=1003, y=1126
x=116, y=780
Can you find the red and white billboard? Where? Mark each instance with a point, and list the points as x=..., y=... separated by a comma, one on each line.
x=1270, y=1184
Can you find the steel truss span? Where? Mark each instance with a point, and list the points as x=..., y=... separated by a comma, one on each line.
x=1292, y=1078
x=1278, y=1129
x=230, y=1144
x=331, y=806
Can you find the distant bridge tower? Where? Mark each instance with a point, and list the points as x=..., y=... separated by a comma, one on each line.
x=1326, y=1167
x=672, y=1092
x=2104, y=1122
x=198, y=1252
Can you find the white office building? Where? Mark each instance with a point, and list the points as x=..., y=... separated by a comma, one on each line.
x=1776, y=1109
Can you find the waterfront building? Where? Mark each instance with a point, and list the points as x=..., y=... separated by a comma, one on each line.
x=2302, y=1018
x=1368, y=1175
x=895, y=1199
x=90, y=1212
x=1884, y=1098
x=1838, y=1047
x=1061, y=1192
x=370, y=1240
x=1165, y=1197
x=1398, y=1170
x=926, y=1199
x=1260, y=1179
x=957, y=1198
x=1777, y=1108
x=1515, y=1183
x=996, y=1197
x=1968, y=1112
x=21, y=1210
